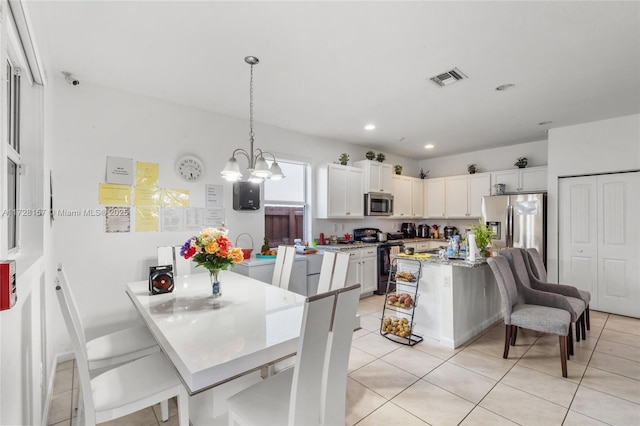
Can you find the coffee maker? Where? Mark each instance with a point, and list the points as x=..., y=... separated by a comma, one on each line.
x=408, y=229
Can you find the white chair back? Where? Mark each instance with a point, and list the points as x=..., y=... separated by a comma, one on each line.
x=334, y=387
x=333, y=273
x=70, y=304
x=306, y=389
x=284, y=266
x=79, y=344
x=170, y=255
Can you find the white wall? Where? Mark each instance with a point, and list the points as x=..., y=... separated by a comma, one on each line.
x=598, y=147
x=488, y=160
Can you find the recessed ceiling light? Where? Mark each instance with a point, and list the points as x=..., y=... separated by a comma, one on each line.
x=370, y=127
x=505, y=87
x=429, y=146
x=544, y=123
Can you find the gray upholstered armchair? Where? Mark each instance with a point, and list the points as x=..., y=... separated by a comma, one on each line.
x=531, y=309
x=518, y=261
x=539, y=273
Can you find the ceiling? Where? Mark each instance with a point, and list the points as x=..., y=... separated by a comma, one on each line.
x=328, y=68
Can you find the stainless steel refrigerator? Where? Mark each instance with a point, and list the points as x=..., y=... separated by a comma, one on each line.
x=517, y=220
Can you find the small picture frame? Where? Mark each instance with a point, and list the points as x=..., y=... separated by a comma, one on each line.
x=161, y=279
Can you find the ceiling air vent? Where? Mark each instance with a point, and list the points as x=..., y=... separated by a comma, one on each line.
x=448, y=77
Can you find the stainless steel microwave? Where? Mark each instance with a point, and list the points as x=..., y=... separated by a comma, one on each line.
x=378, y=204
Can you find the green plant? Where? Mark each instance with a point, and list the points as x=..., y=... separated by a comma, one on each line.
x=344, y=158
x=370, y=155
x=423, y=174
x=483, y=236
x=472, y=168
x=521, y=162
x=398, y=169
x=381, y=157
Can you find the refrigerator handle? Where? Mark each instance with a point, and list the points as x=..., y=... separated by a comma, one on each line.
x=509, y=239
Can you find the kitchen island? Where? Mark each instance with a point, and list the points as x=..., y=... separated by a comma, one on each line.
x=456, y=300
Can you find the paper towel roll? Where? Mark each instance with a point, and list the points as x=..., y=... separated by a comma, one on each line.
x=473, y=248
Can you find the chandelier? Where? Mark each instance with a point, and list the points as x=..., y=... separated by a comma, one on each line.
x=258, y=168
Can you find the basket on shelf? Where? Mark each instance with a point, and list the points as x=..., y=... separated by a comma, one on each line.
x=246, y=251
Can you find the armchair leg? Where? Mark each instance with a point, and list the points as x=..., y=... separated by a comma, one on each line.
x=514, y=334
x=570, y=343
x=577, y=325
x=582, y=326
x=563, y=355
x=507, y=339
x=586, y=313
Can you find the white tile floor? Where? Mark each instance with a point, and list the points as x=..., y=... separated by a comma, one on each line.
x=390, y=384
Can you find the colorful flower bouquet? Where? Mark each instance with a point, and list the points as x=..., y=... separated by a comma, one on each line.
x=212, y=250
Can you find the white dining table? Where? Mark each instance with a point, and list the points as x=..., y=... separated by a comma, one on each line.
x=214, y=340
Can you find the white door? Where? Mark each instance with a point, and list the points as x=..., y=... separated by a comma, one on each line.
x=578, y=243
x=598, y=239
x=434, y=198
x=456, y=198
x=355, y=193
x=618, y=237
x=479, y=186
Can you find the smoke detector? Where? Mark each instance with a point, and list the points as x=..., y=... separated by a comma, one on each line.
x=449, y=77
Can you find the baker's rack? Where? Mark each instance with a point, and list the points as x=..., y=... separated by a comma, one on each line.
x=404, y=276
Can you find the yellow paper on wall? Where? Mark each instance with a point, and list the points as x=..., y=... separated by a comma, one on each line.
x=114, y=194
x=147, y=174
x=147, y=219
x=147, y=196
x=175, y=197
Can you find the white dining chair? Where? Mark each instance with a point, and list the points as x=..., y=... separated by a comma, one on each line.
x=124, y=389
x=284, y=266
x=293, y=395
x=114, y=348
x=333, y=272
x=313, y=392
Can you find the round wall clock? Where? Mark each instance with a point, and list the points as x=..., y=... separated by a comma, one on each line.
x=190, y=168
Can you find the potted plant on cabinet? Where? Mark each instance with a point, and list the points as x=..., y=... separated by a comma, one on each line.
x=381, y=157
x=521, y=162
x=398, y=169
x=370, y=155
x=344, y=158
x=472, y=168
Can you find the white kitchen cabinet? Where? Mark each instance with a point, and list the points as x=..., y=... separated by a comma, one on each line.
x=521, y=180
x=363, y=269
x=340, y=192
x=377, y=176
x=417, y=199
x=479, y=186
x=262, y=270
x=434, y=198
x=456, y=198
x=402, y=194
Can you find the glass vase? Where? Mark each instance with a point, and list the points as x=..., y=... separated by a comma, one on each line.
x=214, y=274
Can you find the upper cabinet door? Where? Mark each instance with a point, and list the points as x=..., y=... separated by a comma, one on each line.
x=417, y=201
x=401, y=196
x=533, y=179
x=434, y=195
x=457, y=195
x=377, y=176
x=508, y=177
x=339, y=192
x=479, y=186
x=355, y=194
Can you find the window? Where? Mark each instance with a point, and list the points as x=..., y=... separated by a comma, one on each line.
x=285, y=205
x=12, y=136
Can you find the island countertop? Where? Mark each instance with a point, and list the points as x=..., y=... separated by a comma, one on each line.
x=436, y=259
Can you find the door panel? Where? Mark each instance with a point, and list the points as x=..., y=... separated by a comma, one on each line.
x=619, y=264
x=577, y=225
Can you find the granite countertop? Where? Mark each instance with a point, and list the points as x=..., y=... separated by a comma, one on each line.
x=345, y=247
x=440, y=261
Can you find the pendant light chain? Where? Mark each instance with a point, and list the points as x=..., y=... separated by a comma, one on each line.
x=251, y=134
